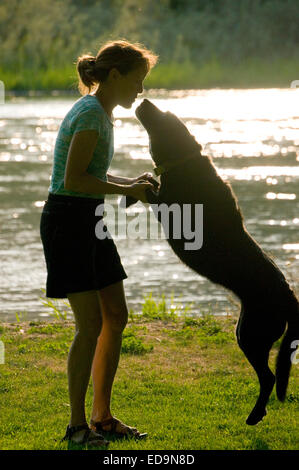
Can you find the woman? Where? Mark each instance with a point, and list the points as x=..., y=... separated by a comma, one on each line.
x=81, y=267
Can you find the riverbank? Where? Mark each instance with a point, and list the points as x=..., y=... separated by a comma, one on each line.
x=182, y=380
x=250, y=73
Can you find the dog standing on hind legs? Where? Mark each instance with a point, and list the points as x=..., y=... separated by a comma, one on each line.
x=229, y=255
x=257, y=348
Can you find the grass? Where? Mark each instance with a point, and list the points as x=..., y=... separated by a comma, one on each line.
x=182, y=379
x=249, y=73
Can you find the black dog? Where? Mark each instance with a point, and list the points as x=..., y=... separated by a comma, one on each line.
x=229, y=255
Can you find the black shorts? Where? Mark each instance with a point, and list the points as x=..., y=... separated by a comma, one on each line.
x=77, y=260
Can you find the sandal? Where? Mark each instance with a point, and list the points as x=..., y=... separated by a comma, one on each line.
x=90, y=437
x=131, y=432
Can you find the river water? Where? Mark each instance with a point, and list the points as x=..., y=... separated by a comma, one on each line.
x=253, y=137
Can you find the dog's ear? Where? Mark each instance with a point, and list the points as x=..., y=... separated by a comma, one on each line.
x=154, y=183
x=152, y=196
x=127, y=201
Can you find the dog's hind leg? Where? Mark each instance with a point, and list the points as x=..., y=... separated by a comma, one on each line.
x=258, y=355
x=267, y=381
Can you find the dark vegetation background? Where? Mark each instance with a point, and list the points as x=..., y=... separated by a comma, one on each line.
x=201, y=43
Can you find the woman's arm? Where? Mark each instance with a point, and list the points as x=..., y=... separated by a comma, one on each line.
x=120, y=179
x=77, y=179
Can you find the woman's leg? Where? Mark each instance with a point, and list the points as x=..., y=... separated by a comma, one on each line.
x=114, y=319
x=87, y=312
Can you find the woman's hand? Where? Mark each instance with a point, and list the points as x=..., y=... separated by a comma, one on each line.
x=137, y=190
x=149, y=177
x=129, y=181
x=145, y=177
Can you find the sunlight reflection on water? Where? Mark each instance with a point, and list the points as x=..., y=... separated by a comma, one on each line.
x=252, y=136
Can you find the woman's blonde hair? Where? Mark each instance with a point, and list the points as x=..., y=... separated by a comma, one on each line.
x=121, y=54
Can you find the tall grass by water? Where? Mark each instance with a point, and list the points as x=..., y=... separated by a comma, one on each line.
x=251, y=73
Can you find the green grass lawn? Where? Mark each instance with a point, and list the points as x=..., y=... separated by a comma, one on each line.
x=182, y=380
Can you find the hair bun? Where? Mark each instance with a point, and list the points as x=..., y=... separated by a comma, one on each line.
x=122, y=55
x=86, y=60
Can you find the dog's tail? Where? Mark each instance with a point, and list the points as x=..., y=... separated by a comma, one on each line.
x=287, y=352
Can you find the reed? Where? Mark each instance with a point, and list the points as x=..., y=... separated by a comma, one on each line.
x=250, y=73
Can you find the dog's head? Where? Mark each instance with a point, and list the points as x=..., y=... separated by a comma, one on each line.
x=169, y=137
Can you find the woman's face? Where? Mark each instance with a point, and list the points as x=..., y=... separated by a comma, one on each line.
x=128, y=86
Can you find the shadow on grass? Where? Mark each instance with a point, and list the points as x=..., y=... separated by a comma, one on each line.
x=259, y=444
x=72, y=446
x=110, y=437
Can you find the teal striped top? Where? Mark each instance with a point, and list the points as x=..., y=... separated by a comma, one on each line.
x=87, y=113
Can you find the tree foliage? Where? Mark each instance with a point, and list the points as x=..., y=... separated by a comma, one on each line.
x=38, y=35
